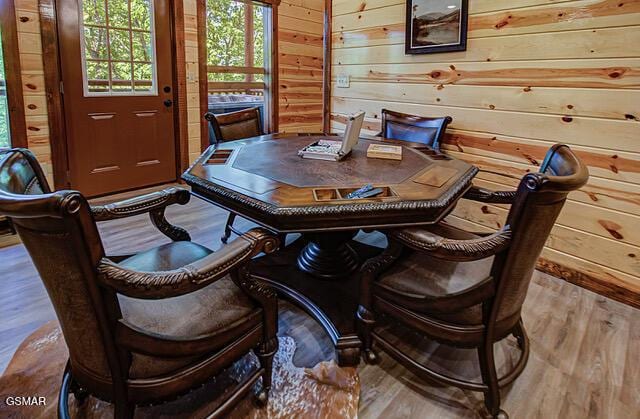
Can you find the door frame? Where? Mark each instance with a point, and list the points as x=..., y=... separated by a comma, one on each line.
x=55, y=103
x=13, y=75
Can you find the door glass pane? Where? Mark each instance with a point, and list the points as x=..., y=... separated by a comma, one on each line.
x=94, y=12
x=120, y=45
x=5, y=133
x=118, y=12
x=118, y=48
x=95, y=43
x=140, y=16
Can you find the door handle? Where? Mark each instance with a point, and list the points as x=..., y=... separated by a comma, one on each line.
x=168, y=103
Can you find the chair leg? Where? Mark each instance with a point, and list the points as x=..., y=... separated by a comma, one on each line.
x=490, y=378
x=519, y=334
x=227, y=228
x=265, y=354
x=78, y=392
x=366, y=323
x=63, y=396
x=123, y=410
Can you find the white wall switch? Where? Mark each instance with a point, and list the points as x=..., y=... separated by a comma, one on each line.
x=343, y=80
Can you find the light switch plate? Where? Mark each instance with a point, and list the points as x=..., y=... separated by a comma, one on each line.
x=343, y=80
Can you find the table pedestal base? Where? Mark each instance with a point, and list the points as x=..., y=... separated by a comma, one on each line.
x=332, y=303
x=329, y=256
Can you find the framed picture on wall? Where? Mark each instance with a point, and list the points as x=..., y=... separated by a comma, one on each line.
x=436, y=26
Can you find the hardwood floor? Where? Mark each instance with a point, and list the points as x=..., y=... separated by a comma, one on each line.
x=585, y=349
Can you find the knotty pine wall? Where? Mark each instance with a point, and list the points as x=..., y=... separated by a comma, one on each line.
x=300, y=44
x=193, y=80
x=536, y=72
x=300, y=34
x=35, y=99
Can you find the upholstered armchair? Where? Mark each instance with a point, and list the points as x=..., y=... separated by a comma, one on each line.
x=147, y=327
x=236, y=125
x=230, y=127
x=464, y=289
x=417, y=129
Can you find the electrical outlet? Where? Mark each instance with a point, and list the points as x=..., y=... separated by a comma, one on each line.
x=343, y=80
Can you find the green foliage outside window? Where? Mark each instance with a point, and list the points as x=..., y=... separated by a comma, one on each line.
x=226, y=37
x=127, y=55
x=5, y=134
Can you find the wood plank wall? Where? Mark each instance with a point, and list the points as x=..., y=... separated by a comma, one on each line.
x=300, y=33
x=535, y=72
x=33, y=87
x=193, y=79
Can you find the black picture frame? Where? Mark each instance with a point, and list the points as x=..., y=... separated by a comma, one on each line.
x=411, y=32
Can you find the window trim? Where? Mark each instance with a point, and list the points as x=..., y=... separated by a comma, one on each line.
x=15, y=99
x=270, y=83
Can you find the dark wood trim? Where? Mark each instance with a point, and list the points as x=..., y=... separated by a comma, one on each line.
x=326, y=67
x=55, y=104
x=203, y=75
x=181, y=127
x=13, y=74
x=590, y=282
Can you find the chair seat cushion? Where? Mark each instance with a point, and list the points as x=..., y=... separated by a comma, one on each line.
x=418, y=279
x=188, y=316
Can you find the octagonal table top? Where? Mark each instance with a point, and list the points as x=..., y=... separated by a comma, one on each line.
x=263, y=179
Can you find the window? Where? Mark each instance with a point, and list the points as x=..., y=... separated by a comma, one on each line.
x=13, y=130
x=238, y=50
x=118, y=47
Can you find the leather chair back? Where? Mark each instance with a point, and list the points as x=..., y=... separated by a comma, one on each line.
x=20, y=173
x=62, y=238
x=418, y=129
x=235, y=125
x=538, y=202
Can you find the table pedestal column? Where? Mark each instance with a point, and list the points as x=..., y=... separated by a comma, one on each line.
x=329, y=255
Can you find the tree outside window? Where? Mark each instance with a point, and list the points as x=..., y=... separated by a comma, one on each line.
x=228, y=43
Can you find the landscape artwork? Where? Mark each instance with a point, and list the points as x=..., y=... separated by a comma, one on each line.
x=436, y=26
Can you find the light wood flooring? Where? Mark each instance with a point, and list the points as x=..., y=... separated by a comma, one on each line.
x=585, y=348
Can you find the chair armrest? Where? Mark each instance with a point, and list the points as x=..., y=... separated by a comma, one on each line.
x=476, y=193
x=453, y=249
x=154, y=204
x=141, y=204
x=191, y=277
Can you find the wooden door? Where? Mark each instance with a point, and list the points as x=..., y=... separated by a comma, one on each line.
x=116, y=58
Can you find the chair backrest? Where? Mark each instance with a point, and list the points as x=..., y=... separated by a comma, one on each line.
x=21, y=173
x=418, y=129
x=235, y=125
x=539, y=199
x=61, y=236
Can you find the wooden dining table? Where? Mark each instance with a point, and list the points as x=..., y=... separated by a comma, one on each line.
x=265, y=181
